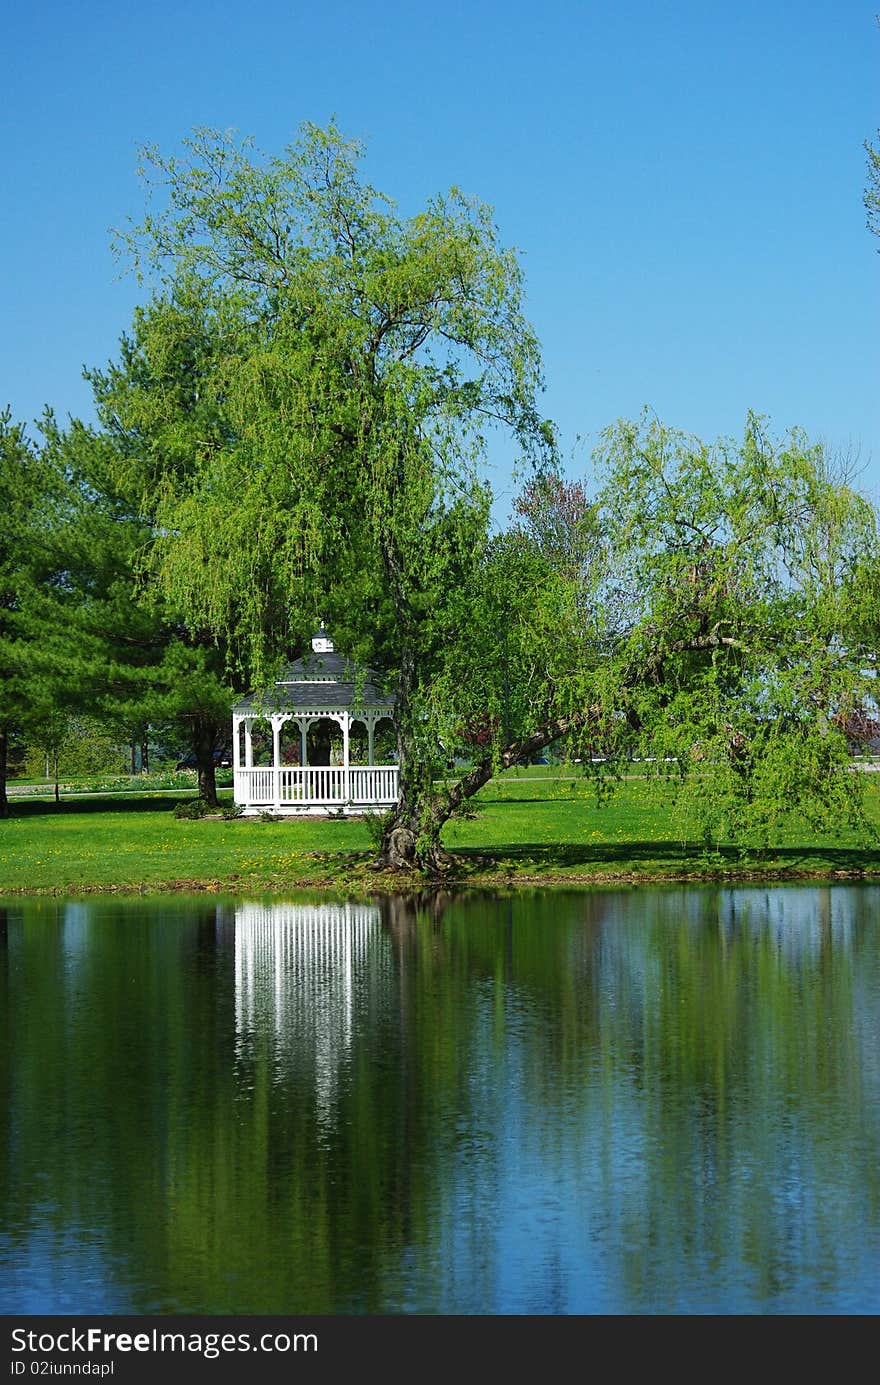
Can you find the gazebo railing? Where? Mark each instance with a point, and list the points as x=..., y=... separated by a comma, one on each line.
x=320, y=785
x=373, y=783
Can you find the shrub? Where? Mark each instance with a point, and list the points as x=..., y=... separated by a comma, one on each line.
x=191, y=808
x=376, y=824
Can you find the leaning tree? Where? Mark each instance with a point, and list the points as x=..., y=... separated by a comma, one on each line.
x=691, y=605
x=700, y=608
x=360, y=361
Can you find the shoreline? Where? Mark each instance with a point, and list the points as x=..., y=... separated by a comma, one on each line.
x=368, y=883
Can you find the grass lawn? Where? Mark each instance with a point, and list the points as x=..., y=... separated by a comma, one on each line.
x=527, y=828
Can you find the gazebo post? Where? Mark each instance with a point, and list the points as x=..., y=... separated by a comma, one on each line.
x=236, y=755
x=302, y=779
x=248, y=745
x=346, y=768
x=277, y=723
x=371, y=728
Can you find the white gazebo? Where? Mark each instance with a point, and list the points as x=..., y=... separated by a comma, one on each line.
x=321, y=687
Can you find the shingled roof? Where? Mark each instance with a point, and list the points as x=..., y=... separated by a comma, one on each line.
x=320, y=682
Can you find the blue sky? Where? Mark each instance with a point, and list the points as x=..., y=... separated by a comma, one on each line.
x=684, y=182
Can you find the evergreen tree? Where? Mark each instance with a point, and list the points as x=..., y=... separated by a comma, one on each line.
x=28, y=492
x=113, y=648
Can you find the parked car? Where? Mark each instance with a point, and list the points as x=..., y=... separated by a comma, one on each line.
x=222, y=759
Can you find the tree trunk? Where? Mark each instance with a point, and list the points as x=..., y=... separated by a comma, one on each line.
x=4, y=756
x=145, y=756
x=318, y=744
x=203, y=745
x=411, y=841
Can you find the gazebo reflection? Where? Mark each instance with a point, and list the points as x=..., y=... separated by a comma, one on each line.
x=305, y=975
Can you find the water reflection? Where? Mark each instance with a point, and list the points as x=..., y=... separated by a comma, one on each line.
x=301, y=970
x=602, y=1101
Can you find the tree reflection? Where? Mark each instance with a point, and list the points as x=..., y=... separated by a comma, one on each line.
x=554, y=1102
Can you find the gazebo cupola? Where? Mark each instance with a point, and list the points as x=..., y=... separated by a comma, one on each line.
x=321, y=641
x=321, y=687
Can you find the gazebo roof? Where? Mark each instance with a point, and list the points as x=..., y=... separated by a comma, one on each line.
x=320, y=668
x=319, y=681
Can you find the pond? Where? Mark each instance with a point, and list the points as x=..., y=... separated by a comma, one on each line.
x=655, y=1101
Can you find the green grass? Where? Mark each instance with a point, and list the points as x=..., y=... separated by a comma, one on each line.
x=552, y=829
x=526, y=828
x=137, y=841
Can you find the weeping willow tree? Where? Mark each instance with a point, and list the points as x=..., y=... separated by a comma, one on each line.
x=328, y=455
x=735, y=579
x=701, y=608
x=316, y=383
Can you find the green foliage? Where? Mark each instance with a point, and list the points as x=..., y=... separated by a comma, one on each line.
x=354, y=363
x=113, y=646
x=82, y=745
x=872, y=192
x=698, y=608
x=377, y=825
x=305, y=407
x=726, y=603
x=31, y=491
x=192, y=809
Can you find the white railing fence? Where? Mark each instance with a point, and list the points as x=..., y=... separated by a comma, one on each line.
x=321, y=786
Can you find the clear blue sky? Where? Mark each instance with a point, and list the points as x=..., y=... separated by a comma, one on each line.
x=684, y=181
